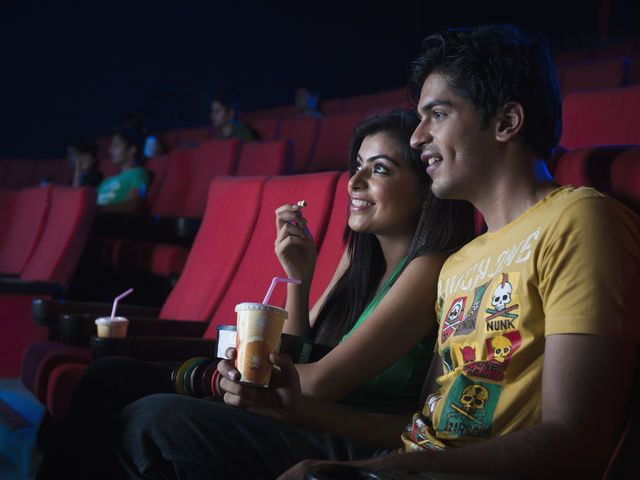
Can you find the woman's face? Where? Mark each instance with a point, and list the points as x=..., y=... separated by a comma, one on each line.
x=386, y=195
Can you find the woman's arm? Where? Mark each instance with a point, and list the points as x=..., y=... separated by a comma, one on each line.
x=402, y=318
x=297, y=254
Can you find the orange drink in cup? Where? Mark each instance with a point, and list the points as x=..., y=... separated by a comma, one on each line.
x=258, y=332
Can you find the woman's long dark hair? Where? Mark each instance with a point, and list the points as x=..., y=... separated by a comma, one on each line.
x=444, y=226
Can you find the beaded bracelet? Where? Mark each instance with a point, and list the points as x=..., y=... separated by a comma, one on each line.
x=214, y=384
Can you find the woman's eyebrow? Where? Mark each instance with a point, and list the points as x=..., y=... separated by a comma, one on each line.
x=375, y=157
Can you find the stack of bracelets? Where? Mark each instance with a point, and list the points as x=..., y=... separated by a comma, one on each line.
x=196, y=377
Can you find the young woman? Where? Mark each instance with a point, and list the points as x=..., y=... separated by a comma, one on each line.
x=378, y=309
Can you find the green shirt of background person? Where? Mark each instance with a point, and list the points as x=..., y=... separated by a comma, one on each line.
x=125, y=192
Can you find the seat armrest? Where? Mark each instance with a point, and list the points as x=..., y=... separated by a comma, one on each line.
x=77, y=329
x=47, y=312
x=153, y=348
x=25, y=287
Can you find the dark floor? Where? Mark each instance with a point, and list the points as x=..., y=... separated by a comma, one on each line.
x=20, y=413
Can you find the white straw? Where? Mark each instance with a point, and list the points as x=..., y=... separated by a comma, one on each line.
x=115, y=302
x=273, y=284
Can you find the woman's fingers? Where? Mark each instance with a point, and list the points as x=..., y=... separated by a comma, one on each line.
x=289, y=213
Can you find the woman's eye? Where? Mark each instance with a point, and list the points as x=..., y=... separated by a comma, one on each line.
x=380, y=169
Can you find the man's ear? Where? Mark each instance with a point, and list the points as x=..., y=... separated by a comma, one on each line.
x=509, y=121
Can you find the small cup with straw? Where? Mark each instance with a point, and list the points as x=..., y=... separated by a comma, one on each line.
x=259, y=327
x=113, y=326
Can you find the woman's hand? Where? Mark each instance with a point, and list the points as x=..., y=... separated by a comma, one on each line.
x=294, y=245
x=281, y=400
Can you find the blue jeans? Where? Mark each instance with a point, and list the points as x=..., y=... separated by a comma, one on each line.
x=177, y=437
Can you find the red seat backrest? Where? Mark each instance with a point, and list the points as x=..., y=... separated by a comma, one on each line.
x=18, y=173
x=165, y=196
x=192, y=137
x=601, y=117
x=232, y=208
x=334, y=137
x=259, y=263
x=65, y=233
x=8, y=199
x=23, y=234
x=264, y=158
x=332, y=246
x=625, y=177
x=57, y=170
x=157, y=167
x=266, y=128
x=594, y=75
x=211, y=159
x=333, y=105
x=588, y=167
x=303, y=134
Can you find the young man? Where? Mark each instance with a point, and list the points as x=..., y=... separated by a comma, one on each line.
x=537, y=340
x=125, y=192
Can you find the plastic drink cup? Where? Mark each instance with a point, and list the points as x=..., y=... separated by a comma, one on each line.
x=112, y=327
x=258, y=332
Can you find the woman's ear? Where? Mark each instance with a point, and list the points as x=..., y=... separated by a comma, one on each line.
x=509, y=121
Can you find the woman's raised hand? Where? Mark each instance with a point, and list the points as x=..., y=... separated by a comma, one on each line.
x=294, y=244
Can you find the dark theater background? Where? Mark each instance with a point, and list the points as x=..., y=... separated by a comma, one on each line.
x=76, y=68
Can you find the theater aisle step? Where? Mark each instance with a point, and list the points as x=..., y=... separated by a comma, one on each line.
x=20, y=414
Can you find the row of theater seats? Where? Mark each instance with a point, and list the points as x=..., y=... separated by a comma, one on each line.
x=181, y=178
x=44, y=231
x=628, y=47
x=232, y=261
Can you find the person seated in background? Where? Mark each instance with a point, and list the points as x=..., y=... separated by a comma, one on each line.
x=538, y=334
x=376, y=312
x=125, y=192
x=224, y=119
x=307, y=100
x=82, y=157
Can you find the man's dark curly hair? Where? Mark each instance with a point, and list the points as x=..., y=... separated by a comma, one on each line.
x=491, y=66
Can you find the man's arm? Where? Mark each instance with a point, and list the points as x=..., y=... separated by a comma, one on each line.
x=585, y=384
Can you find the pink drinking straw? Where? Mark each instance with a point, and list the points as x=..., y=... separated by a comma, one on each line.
x=115, y=302
x=273, y=284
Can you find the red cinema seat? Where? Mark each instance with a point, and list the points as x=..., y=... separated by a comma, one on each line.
x=379, y=101
x=18, y=173
x=332, y=246
x=157, y=167
x=303, y=134
x=259, y=263
x=262, y=157
x=229, y=220
x=587, y=167
x=601, y=117
x=334, y=138
x=192, y=137
x=333, y=105
x=211, y=159
x=22, y=235
x=266, y=128
x=47, y=272
x=57, y=170
x=8, y=199
x=65, y=233
x=625, y=177
x=594, y=75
